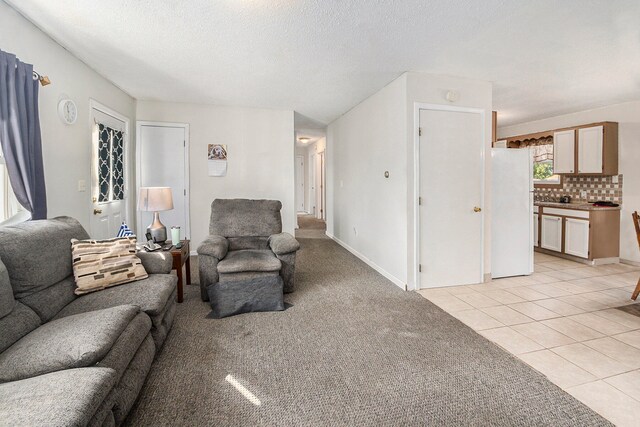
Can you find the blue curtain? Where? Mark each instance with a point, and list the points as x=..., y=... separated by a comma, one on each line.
x=20, y=134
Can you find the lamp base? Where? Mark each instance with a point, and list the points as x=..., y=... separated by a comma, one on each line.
x=157, y=229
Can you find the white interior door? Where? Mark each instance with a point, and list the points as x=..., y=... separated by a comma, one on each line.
x=312, y=183
x=323, y=187
x=163, y=161
x=451, y=171
x=109, y=180
x=318, y=185
x=300, y=183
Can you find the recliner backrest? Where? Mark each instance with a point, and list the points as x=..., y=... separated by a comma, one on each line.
x=16, y=320
x=37, y=255
x=233, y=218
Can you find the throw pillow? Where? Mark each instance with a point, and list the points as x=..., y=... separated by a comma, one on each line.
x=99, y=264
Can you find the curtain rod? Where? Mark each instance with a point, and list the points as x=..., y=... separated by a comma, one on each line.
x=44, y=80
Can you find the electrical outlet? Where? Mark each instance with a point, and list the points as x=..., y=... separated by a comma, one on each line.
x=614, y=179
x=82, y=185
x=583, y=194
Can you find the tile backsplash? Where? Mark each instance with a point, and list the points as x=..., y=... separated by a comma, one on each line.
x=596, y=187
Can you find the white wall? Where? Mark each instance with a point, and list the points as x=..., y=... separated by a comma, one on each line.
x=260, y=156
x=66, y=149
x=361, y=145
x=628, y=117
x=377, y=136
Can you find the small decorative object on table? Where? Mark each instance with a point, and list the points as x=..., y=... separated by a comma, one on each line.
x=175, y=234
x=156, y=199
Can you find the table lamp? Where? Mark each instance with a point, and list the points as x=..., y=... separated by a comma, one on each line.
x=156, y=199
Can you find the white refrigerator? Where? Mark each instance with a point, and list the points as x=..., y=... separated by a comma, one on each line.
x=511, y=212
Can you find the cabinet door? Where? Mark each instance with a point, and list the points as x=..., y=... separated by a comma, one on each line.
x=551, y=237
x=590, y=149
x=536, y=230
x=564, y=151
x=576, y=237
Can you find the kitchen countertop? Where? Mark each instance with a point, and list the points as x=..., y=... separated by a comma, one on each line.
x=577, y=206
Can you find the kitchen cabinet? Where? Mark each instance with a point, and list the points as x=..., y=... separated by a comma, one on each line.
x=576, y=237
x=585, y=233
x=590, y=149
x=536, y=230
x=564, y=151
x=551, y=232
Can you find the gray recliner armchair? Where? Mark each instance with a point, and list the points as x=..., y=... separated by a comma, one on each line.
x=246, y=242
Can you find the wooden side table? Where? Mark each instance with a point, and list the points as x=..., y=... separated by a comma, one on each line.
x=180, y=259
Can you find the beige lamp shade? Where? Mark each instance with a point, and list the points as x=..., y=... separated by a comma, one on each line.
x=155, y=199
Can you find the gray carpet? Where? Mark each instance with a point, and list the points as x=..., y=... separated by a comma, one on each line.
x=353, y=349
x=309, y=222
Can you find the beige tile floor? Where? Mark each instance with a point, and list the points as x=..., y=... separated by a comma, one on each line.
x=561, y=321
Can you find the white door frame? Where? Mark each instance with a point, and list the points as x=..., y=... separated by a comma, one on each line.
x=97, y=106
x=185, y=126
x=417, y=106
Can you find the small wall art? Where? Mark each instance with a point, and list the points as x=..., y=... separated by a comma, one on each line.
x=217, y=158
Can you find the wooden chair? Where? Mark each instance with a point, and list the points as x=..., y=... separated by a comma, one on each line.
x=636, y=223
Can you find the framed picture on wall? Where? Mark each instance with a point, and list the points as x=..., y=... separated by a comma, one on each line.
x=217, y=159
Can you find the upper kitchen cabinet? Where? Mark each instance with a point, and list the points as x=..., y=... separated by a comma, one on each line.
x=579, y=150
x=564, y=151
x=597, y=149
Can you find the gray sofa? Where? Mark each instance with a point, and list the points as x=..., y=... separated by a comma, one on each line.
x=69, y=360
x=246, y=242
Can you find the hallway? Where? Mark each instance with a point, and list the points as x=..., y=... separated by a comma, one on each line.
x=310, y=227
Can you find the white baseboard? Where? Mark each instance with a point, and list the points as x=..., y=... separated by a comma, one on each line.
x=399, y=283
x=629, y=262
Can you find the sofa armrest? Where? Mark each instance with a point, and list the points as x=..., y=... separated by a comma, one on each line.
x=283, y=243
x=156, y=262
x=214, y=246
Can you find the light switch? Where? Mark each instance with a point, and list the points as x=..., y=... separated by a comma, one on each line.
x=614, y=179
x=82, y=185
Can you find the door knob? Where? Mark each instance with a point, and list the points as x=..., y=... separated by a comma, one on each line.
x=477, y=209
x=97, y=211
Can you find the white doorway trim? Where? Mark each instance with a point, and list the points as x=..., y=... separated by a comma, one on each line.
x=99, y=107
x=417, y=106
x=185, y=126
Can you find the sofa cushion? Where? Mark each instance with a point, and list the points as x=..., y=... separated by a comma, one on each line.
x=150, y=295
x=243, y=217
x=6, y=293
x=38, y=253
x=49, y=301
x=72, y=342
x=17, y=324
x=100, y=264
x=64, y=398
x=249, y=260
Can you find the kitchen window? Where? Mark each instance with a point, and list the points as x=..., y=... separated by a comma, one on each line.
x=543, y=174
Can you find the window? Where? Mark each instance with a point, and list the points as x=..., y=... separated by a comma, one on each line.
x=9, y=206
x=543, y=165
x=110, y=164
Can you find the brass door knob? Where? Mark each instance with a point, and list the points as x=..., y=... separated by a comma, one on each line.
x=477, y=209
x=97, y=211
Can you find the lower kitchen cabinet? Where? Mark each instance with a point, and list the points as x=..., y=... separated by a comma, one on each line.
x=576, y=237
x=551, y=233
x=592, y=235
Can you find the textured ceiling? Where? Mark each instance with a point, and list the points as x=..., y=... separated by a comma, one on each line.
x=322, y=57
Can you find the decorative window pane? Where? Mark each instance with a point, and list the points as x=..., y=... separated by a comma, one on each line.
x=110, y=164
